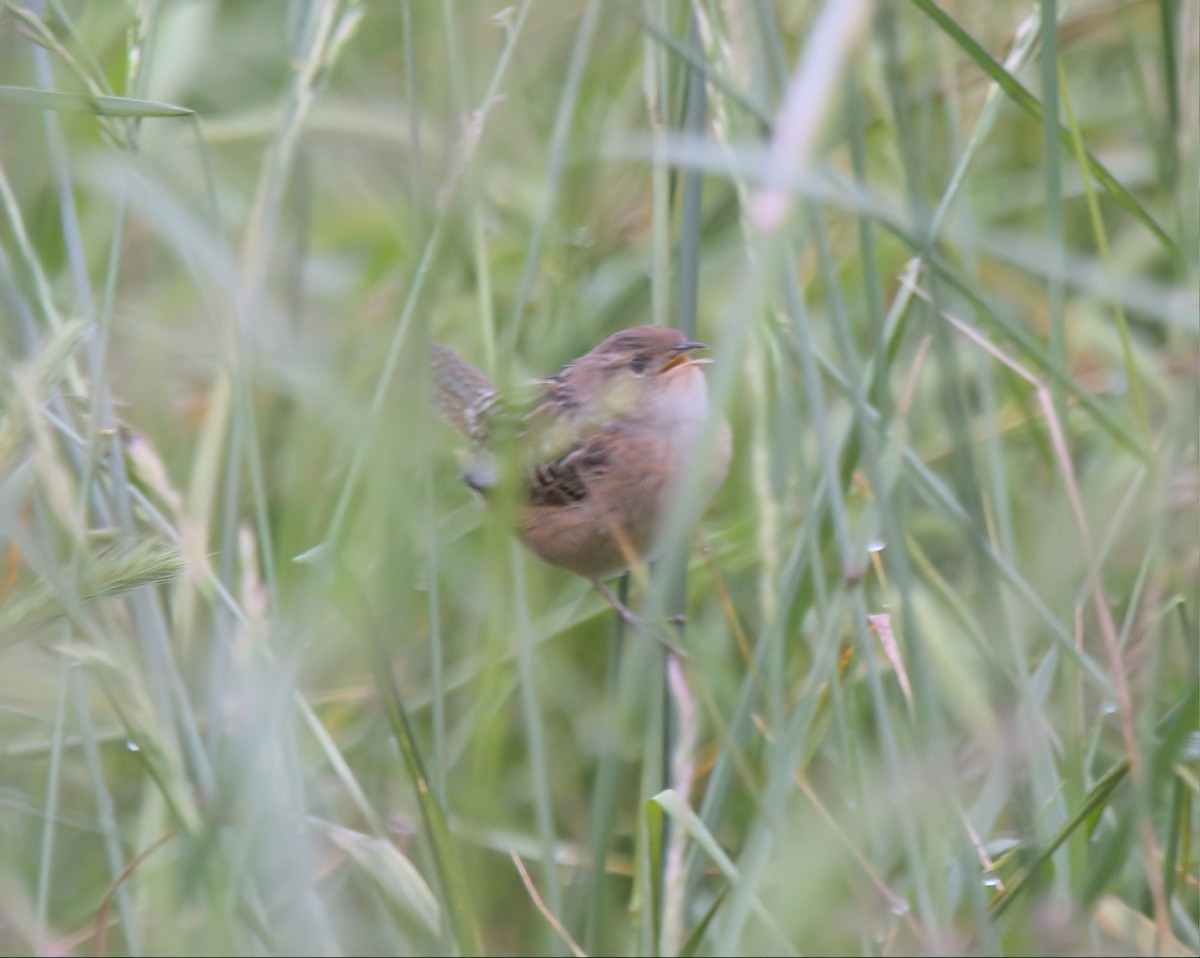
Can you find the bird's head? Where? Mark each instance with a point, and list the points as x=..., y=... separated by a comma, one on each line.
x=641, y=371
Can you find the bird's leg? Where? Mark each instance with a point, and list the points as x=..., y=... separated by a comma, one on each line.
x=629, y=618
x=621, y=538
x=637, y=623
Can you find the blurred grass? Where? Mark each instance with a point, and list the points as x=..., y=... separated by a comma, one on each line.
x=942, y=616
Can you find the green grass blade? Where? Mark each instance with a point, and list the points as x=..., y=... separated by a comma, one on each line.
x=456, y=895
x=1019, y=95
x=98, y=105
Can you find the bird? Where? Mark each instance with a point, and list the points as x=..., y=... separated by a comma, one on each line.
x=598, y=454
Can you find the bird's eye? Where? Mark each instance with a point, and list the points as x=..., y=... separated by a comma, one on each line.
x=638, y=365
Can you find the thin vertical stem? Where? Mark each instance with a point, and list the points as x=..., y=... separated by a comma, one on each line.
x=1052, y=150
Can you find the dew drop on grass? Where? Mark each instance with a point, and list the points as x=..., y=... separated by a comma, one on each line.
x=132, y=746
x=900, y=907
x=1190, y=751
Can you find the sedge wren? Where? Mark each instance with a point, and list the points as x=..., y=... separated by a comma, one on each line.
x=602, y=452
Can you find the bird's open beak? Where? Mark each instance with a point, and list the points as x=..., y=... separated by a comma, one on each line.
x=683, y=357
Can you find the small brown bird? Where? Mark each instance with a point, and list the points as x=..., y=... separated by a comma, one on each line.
x=602, y=452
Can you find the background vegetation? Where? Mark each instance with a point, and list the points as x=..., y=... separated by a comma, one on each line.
x=272, y=682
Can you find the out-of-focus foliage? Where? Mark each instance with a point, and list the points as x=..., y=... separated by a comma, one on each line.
x=272, y=681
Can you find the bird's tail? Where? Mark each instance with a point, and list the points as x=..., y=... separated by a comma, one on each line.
x=461, y=393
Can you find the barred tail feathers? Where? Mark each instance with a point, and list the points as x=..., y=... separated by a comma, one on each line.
x=461, y=393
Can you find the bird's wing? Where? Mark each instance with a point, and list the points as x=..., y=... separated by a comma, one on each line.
x=565, y=480
x=558, y=448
